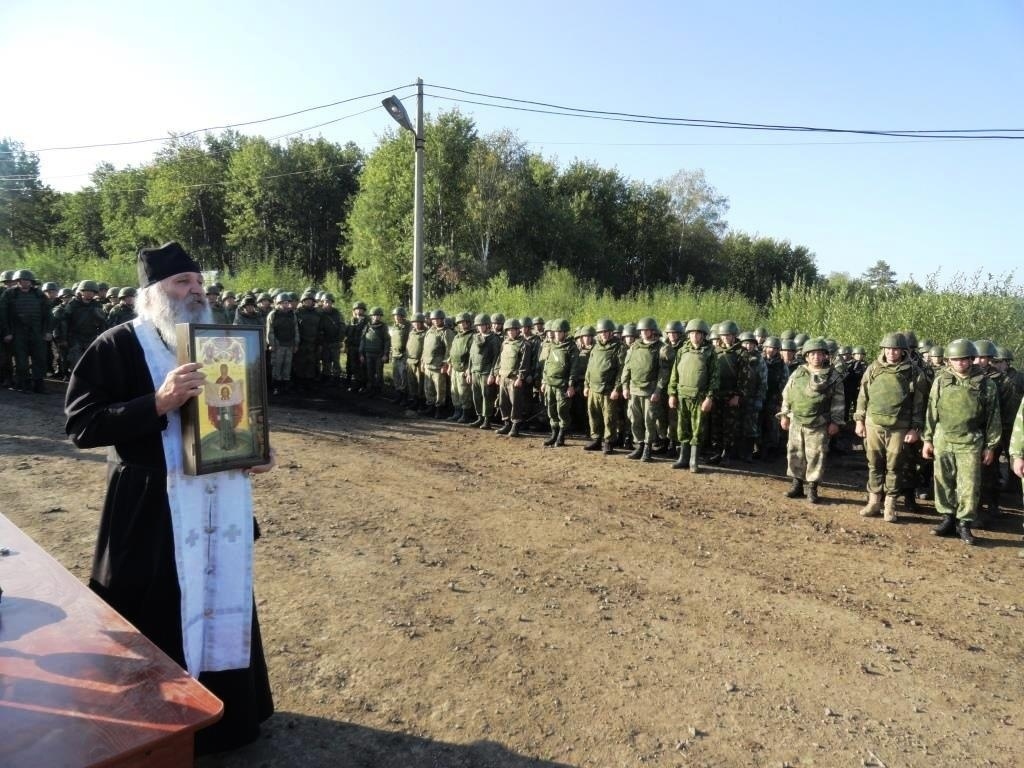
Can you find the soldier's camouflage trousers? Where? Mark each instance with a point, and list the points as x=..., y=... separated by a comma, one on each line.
x=374, y=372
x=483, y=396
x=512, y=401
x=957, y=479
x=726, y=427
x=29, y=344
x=399, y=375
x=642, y=419
x=281, y=363
x=601, y=415
x=770, y=435
x=559, y=407
x=353, y=367
x=435, y=388
x=462, y=390
x=806, y=449
x=886, y=454
x=665, y=419
x=690, y=420
x=6, y=368
x=330, y=360
x=414, y=379
x=304, y=362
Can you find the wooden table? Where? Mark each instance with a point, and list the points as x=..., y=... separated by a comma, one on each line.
x=79, y=685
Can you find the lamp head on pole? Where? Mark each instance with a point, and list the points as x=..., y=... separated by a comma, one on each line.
x=397, y=111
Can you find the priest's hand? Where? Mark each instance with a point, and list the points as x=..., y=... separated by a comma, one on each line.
x=181, y=384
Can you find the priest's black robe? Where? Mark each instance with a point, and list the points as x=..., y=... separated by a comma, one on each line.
x=111, y=400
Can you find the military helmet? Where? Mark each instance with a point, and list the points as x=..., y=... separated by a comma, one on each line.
x=559, y=324
x=264, y=297
x=698, y=324
x=604, y=324
x=6, y=276
x=24, y=274
x=399, y=312
x=248, y=300
x=747, y=336
x=274, y=291
x=482, y=319
x=212, y=290
x=728, y=328
x=513, y=323
x=676, y=326
x=984, y=348
x=960, y=348
x=926, y=344
x=815, y=345
x=586, y=330
x=935, y=351
x=787, y=344
x=230, y=295
x=498, y=318
x=320, y=295
x=114, y=293
x=800, y=339
x=789, y=333
x=418, y=317
x=308, y=294
x=282, y=297
x=846, y=349
x=328, y=296
x=832, y=345
x=51, y=287
x=526, y=321
x=1003, y=353
x=629, y=330
x=893, y=341
x=761, y=332
x=538, y=321
x=377, y=312
x=466, y=317
x=65, y=292
x=858, y=350
x=127, y=292
x=103, y=286
x=911, y=339
x=437, y=314
x=647, y=324
x=89, y=285
x=773, y=342
x=359, y=305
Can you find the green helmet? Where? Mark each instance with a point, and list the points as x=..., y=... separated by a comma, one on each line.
x=398, y=312
x=893, y=341
x=1002, y=353
x=586, y=330
x=377, y=312
x=761, y=332
x=984, y=348
x=629, y=330
x=833, y=346
x=927, y=344
x=51, y=287
x=436, y=314
x=264, y=297
x=114, y=293
x=859, y=351
x=482, y=319
x=728, y=328
x=232, y=295
x=419, y=317
x=773, y=342
x=935, y=351
x=604, y=324
x=6, y=276
x=788, y=345
x=127, y=293
x=911, y=339
x=65, y=292
x=212, y=290
x=697, y=324
x=248, y=300
x=647, y=324
x=676, y=326
x=310, y=295
x=960, y=348
x=359, y=305
x=787, y=334
x=526, y=321
x=88, y=285
x=103, y=286
x=746, y=336
x=800, y=339
x=465, y=317
x=24, y=274
x=513, y=323
x=538, y=321
x=498, y=319
x=559, y=324
x=327, y=297
x=815, y=345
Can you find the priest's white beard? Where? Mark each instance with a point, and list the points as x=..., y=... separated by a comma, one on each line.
x=155, y=305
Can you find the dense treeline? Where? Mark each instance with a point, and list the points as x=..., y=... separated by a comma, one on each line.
x=335, y=215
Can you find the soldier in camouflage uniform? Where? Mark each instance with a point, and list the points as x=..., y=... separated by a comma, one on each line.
x=399, y=332
x=82, y=321
x=458, y=369
x=770, y=440
x=753, y=397
x=217, y=306
x=25, y=324
x=644, y=380
x=374, y=348
x=620, y=407
x=584, y=345
x=484, y=349
x=693, y=378
x=513, y=370
x=436, y=344
x=813, y=410
x=413, y=360
x=124, y=311
x=560, y=381
x=889, y=417
x=602, y=380
x=961, y=432
x=332, y=331
x=282, y=341
x=726, y=419
x=307, y=354
x=1007, y=387
x=248, y=314
x=1004, y=361
x=353, y=335
x=666, y=416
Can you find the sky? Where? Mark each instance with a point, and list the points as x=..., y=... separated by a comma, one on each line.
x=78, y=73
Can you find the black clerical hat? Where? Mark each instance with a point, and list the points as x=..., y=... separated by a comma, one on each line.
x=155, y=264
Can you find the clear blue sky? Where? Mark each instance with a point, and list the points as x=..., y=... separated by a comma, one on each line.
x=79, y=73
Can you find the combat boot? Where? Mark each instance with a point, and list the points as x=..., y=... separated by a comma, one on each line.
x=694, y=460
x=638, y=451
x=560, y=440
x=946, y=527
x=812, y=493
x=456, y=415
x=551, y=440
x=593, y=445
x=874, y=506
x=438, y=411
x=646, y=454
x=889, y=513
x=627, y=443
x=964, y=529
x=910, y=500
x=514, y=432
x=684, y=457
x=606, y=447
x=465, y=418
x=479, y=423
x=506, y=427
x=796, y=490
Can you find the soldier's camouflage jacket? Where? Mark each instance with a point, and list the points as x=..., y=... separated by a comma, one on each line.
x=892, y=395
x=694, y=372
x=604, y=366
x=814, y=398
x=963, y=410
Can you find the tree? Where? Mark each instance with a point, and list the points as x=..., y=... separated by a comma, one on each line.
x=27, y=206
x=122, y=203
x=499, y=177
x=80, y=225
x=695, y=202
x=880, y=277
x=754, y=266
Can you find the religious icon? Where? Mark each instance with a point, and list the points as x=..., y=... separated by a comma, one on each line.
x=225, y=427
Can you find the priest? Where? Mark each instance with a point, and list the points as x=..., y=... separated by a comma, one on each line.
x=174, y=552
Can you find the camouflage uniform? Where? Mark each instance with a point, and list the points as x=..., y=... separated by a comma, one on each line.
x=353, y=335
x=282, y=339
x=82, y=322
x=770, y=440
x=602, y=380
x=25, y=318
x=458, y=370
x=694, y=377
x=560, y=383
x=413, y=356
x=645, y=375
x=399, y=331
x=332, y=331
x=484, y=350
x=436, y=343
x=374, y=347
x=304, y=363
x=727, y=418
x=812, y=400
x=514, y=366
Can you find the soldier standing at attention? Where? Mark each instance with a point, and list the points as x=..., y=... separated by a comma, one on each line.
x=560, y=382
x=667, y=416
x=282, y=340
x=484, y=349
x=83, y=321
x=353, y=335
x=247, y=314
x=644, y=379
x=332, y=330
x=961, y=432
x=754, y=397
x=458, y=367
x=985, y=359
x=514, y=367
x=1004, y=362
x=374, y=348
x=889, y=417
x=124, y=311
x=436, y=344
x=399, y=332
x=727, y=417
x=694, y=377
x=413, y=359
x=25, y=324
x=1017, y=450
x=307, y=353
x=601, y=382
x=812, y=412
x=778, y=373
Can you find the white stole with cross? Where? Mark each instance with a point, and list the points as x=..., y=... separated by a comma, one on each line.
x=211, y=516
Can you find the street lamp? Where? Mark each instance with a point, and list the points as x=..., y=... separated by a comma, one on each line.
x=397, y=111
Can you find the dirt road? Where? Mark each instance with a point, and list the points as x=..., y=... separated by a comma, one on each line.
x=432, y=595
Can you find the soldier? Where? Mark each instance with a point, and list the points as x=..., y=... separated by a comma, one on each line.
x=761, y=335
x=727, y=417
x=332, y=331
x=82, y=321
x=777, y=374
x=620, y=407
x=812, y=412
x=353, y=334
x=458, y=370
x=436, y=344
x=25, y=325
x=513, y=369
x=889, y=417
x=584, y=346
x=229, y=305
x=601, y=383
x=754, y=396
x=667, y=417
x=787, y=351
x=693, y=378
x=987, y=353
x=399, y=331
x=1004, y=361
x=644, y=379
x=374, y=349
x=307, y=354
x=961, y=432
x=217, y=306
x=560, y=382
x=282, y=341
x=264, y=303
x=413, y=359
x=124, y=312
x=484, y=350
x=247, y=313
